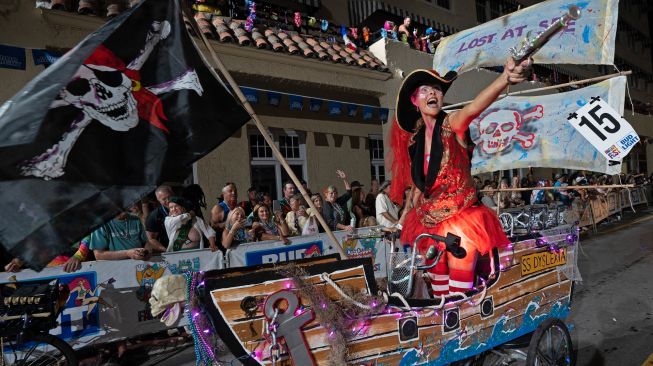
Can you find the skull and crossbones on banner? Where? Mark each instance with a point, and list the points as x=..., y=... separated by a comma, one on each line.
x=499, y=129
x=106, y=90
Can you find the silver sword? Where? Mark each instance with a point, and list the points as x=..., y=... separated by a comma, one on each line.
x=532, y=45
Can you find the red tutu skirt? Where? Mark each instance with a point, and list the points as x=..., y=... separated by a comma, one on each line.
x=477, y=226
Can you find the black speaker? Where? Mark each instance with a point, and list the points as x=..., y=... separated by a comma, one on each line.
x=408, y=329
x=451, y=320
x=487, y=307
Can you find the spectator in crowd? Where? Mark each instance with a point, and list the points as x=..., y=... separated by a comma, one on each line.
x=236, y=231
x=488, y=197
x=370, y=198
x=369, y=221
x=562, y=194
x=80, y=253
x=195, y=195
x=516, y=196
x=154, y=225
x=288, y=191
x=269, y=227
x=387, y=213
x=74, y=262
x=121, y=238
x=318, y=202
x=503, y=198
x=297, y=217
x=526, y=195
x=141, y=210
x=185, y=230
x=359, y=209
x=405, y=31
x=220, y=211
x=538, y=196
x=305, y=186
x=335, y=208
x=251, y=200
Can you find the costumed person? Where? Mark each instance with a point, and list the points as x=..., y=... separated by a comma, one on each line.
x=431, y=155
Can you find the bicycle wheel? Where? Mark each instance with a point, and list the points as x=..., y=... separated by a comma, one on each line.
x=40, y=350
x=551, y=345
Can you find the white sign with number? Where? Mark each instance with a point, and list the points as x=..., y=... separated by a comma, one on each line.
x=604, y=128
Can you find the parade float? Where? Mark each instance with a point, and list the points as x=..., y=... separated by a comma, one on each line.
x=343, y=298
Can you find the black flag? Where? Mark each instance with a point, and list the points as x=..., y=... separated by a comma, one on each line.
x=132, y=105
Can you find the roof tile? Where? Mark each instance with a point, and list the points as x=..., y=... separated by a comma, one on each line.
x=233, y=31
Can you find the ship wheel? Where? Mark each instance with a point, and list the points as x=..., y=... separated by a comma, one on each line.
x=551, y=345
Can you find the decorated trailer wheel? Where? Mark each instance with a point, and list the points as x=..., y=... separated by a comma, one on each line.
x=551, y=345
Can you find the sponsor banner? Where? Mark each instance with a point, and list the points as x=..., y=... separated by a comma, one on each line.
x=44, y=57
x=250, y=94
x=358, y=246
x=588, y=40
x=523, y=132
x=12, y=57
x=295, y=102
x=109, y=299
x=604, y=128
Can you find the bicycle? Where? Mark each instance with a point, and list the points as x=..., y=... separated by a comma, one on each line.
x=27, y=312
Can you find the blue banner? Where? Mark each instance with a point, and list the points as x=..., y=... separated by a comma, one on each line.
x=285, y=253
x=296, y=102
x=274, y=98
x=367, y=112
x=335, y=108
x=250, y=94
x=383, y=115
x=44, y=57
x=12, y=57
x=316, y=105
x=352, y=109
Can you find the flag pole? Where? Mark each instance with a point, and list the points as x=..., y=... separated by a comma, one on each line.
x=585, y=81
x=264, y=131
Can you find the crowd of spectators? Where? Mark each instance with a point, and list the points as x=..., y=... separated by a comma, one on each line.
x=172, y=220
x=535, y=195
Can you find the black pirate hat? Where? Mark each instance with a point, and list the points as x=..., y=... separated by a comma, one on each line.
x=406, y=113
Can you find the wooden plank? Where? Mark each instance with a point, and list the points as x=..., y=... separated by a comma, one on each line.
x=268, y=287
x=232, y=311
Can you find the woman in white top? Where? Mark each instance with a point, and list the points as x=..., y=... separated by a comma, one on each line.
x=185, y=229
x=386, y=211
x=297, y=217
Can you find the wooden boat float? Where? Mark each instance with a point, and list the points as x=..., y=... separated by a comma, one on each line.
x=533, y=284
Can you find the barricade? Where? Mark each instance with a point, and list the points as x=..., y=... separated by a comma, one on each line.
x=109, y=299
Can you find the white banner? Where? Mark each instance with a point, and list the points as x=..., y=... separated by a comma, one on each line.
x=522, y=132
x=359, y=246
x=588, y=40
x=109, y=299
x=604, y=128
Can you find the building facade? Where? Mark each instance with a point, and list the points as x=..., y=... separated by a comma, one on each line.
x=288, y=82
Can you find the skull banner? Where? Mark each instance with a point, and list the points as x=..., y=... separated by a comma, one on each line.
x=132, y=105
x=522, y=132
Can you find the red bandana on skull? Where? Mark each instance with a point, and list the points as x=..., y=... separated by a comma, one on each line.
x=148, y=104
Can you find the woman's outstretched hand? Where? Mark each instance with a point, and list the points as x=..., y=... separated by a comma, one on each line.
x=517, y=73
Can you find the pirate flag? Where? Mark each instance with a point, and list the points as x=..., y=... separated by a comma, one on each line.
x=132, y=105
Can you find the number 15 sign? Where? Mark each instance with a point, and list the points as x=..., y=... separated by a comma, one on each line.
x=604, y=128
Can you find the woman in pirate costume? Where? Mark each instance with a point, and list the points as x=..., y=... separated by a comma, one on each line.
x=432, y=156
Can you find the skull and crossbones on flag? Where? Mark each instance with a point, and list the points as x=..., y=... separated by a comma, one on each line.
x=106, y=90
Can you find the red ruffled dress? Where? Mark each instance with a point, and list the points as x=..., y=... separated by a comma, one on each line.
x=451, y=204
